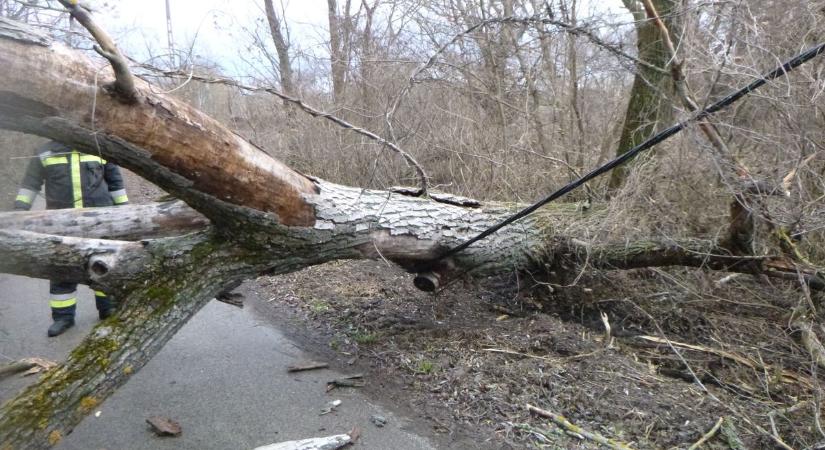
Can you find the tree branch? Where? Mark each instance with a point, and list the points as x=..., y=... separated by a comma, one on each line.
x=106, y=263
x=49, y=91
x=136, y=222
x=314, y=112
x=124, y=85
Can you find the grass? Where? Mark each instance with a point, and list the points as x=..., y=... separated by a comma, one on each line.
x=319, y=306
x=364, y=337
x=425, y=367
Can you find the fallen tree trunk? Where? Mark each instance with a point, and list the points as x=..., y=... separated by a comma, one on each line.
x=263, y=217
x=173, y=284
x=130, y=224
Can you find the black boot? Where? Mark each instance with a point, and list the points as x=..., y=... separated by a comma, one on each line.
x=104, y=305
x=60, y=325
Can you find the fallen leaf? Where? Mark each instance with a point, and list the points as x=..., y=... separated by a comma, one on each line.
x=164, y=426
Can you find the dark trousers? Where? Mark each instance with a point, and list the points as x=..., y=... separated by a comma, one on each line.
x=63, y=299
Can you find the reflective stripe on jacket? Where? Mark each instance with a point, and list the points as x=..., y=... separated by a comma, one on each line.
x=72, y=179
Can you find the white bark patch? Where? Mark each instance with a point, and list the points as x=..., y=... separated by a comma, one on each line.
x=380, y=224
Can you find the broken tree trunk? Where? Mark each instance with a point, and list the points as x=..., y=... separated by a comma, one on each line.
x=133, y=223
x=263, y=217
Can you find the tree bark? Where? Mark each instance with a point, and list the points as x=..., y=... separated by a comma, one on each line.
x=133, y=223
x=263, y=217
x=172, y=284
x=649, y=104
x=282, y=47
x=338, y=62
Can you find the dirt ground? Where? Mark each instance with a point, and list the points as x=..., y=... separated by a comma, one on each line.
x=686, y=348
x=470, y=358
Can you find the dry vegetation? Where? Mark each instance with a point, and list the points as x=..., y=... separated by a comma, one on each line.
x=470, y=358
x=511, y=111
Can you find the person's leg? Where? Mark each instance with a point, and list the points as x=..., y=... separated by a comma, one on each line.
x=104, y=305
x=63, y=301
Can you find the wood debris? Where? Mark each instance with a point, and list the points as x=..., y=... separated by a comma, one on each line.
x=164, y=426
x=308, y=365
x=330, y=407
x=319, y=443
x=575, y=430
x=356, y=380
x=28, y=366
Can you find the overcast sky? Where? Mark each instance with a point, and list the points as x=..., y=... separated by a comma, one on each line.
x=216, y=26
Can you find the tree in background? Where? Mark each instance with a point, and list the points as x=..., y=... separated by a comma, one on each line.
x=282, y=47
x=249, y=214
x=651, y=98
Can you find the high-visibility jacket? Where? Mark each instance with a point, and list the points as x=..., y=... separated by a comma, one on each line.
x=72, y=179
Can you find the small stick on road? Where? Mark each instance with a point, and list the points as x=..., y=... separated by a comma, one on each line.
x=309, y=365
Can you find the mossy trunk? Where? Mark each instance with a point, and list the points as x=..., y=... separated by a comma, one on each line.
x=264, y=216
x=153, y=307
x=162, y=283
x=650, y=104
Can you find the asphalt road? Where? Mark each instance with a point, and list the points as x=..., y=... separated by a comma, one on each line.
x=222, y=377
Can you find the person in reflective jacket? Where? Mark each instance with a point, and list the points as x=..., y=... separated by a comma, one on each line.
x=73, y=180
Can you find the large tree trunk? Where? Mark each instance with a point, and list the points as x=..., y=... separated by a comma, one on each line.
x=650, y=104
x=263, y=217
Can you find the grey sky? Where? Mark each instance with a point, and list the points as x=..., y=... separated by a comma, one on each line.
x=216, y=26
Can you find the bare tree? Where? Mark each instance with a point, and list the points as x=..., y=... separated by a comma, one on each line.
x=247, y=214
x=282, y=47
x=338, y=39
x=651, y=101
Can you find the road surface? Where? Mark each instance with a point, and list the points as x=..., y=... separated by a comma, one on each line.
x=223, y=377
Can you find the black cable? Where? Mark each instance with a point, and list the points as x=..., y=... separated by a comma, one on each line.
x=780, y=71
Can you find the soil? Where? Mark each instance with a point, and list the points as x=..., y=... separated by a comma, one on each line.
x=471, y=357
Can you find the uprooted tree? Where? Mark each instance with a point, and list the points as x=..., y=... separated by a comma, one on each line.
x=241, y=214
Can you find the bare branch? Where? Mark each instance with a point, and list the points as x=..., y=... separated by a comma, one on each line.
x=422, y=175
x=124, y=86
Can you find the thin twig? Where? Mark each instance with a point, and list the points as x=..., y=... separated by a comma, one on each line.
x=535, y=19
x=543, y=358
x=572, y=428
x=745, y=361
x=783, y=411
x=422, y=175
x=707, y=435
x=682, y=89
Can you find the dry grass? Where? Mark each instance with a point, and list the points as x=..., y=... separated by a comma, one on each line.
x=471, y=357
x=476, y=131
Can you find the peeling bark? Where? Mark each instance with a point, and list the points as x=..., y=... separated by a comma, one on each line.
x=49, y=90
x=649, y=104
x=263, y=217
